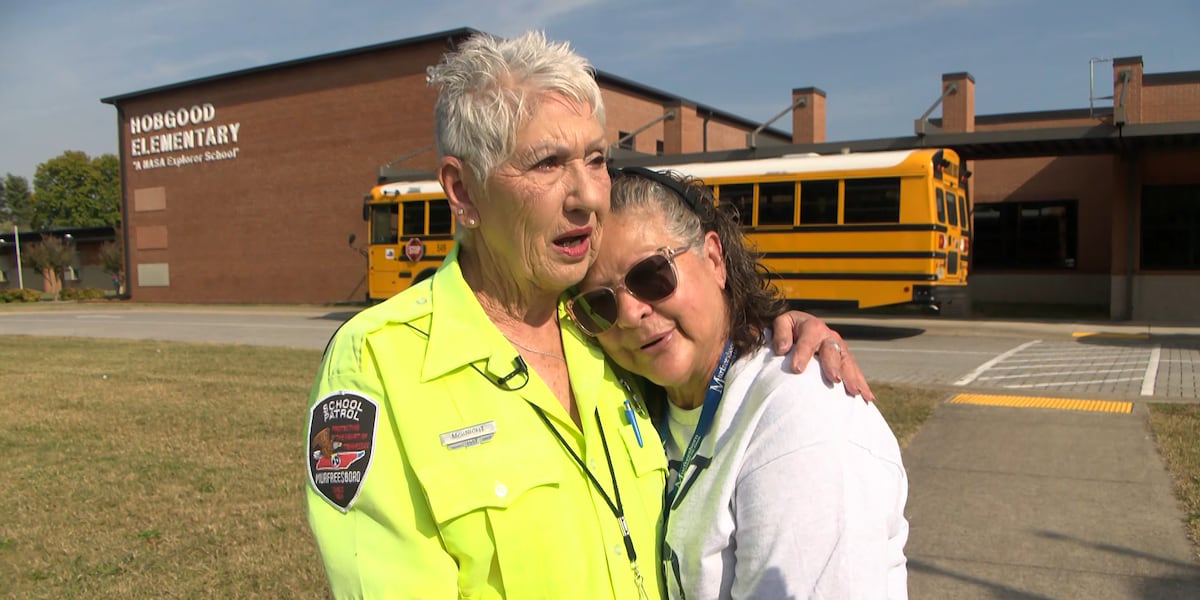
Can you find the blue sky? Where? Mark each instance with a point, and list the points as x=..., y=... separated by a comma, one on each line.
x=879, y=61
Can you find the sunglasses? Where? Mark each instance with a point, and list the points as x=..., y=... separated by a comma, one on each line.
x=651, y=279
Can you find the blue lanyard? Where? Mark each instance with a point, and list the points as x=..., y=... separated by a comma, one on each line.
x=712, y=398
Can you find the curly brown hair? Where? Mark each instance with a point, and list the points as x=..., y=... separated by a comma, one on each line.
x=689, y=211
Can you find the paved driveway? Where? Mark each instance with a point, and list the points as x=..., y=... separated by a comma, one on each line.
x=1094, y=360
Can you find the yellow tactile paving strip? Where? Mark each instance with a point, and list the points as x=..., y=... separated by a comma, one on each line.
x=1113, y=406
x=1110, y=334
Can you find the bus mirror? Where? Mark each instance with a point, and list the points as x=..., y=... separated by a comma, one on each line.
x=366, y=211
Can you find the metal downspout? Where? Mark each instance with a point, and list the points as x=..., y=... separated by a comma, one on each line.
x=122, y=143
x=1130, y=158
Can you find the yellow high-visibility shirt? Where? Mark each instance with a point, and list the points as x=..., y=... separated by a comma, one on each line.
x=426, y=480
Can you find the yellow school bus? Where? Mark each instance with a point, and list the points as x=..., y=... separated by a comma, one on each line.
x=863, y=230
x=409, y=231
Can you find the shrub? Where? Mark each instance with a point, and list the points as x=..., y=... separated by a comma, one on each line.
x=80, y=293
x=20, y=295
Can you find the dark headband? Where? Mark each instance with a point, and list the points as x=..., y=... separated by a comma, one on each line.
x=686, y=192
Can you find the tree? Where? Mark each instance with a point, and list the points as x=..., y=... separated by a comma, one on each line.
x=73, y=190
x=112, y=260
x=16, y=203
x=51, y=257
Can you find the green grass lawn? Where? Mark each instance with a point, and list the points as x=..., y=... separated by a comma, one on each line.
x=1176, y=430
x=154, y=470
x=158, y=469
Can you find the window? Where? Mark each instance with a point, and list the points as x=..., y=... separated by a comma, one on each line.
x=439, y=216
x=1170, y=227
x=951, y=209
x=777, y=203
x=875, y=200
x=941, y=205
x=1026, y=235
x=414, y=218
x=384, y=223
x=741, y=197
x=658, y=147
x=818, y=202
x=963, y=215
x=624, y=140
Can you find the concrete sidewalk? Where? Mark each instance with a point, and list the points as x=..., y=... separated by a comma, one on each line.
x=1043, y=503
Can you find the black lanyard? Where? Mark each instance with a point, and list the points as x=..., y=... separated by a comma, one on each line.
x=617, y=508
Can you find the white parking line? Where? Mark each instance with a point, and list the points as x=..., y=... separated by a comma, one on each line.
x=1151, y=372
x=1075, y=356
x=1049, y=364
x=1061, y=383
x=1058, y=373
x=987, y=365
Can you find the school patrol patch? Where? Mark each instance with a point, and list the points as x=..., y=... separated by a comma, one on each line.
x=341, y=434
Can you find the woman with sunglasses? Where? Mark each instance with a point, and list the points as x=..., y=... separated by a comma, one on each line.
x=777, y=489
x=463, y=440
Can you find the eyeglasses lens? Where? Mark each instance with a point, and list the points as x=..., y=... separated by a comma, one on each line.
x=650, y=280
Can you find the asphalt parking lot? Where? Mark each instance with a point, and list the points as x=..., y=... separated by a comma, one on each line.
x=1102, y=360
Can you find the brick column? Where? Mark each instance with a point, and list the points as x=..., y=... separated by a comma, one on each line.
x=958, y=106
x=1127, y=74
x=685, y=131
x=808, y=118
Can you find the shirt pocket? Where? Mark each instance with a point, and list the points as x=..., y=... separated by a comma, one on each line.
x=648, y=457
x=492, y=503
x=485, y=476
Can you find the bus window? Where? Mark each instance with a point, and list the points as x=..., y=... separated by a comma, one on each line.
x=384, y=223
x=875, y=200
x=941, y=205
x=439, y=216
x=951, y=209
x=414, y=218
x=818, y=202
x=741, y=197
x=777, y=203
x=962, y=211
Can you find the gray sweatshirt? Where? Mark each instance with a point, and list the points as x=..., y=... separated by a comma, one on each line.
x=802, y=495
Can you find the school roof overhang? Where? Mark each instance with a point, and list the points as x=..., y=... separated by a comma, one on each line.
x=1066, y=141
x=451, y=38
x=1012, y=143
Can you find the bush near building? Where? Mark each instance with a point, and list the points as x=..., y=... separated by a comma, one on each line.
x=20, y=295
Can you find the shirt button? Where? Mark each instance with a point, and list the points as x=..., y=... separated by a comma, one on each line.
x=617, y=549
x=422, y=300
x=501, y=490
x=592, y=463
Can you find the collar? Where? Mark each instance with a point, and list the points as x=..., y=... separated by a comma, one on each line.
x=460, y=333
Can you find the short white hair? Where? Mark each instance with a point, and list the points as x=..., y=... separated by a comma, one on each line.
x=489, y=87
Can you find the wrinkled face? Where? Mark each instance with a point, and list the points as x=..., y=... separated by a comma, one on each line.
x=675, y=341
x=539, y=219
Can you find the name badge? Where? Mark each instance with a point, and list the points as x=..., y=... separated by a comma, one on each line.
x=469, y=436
